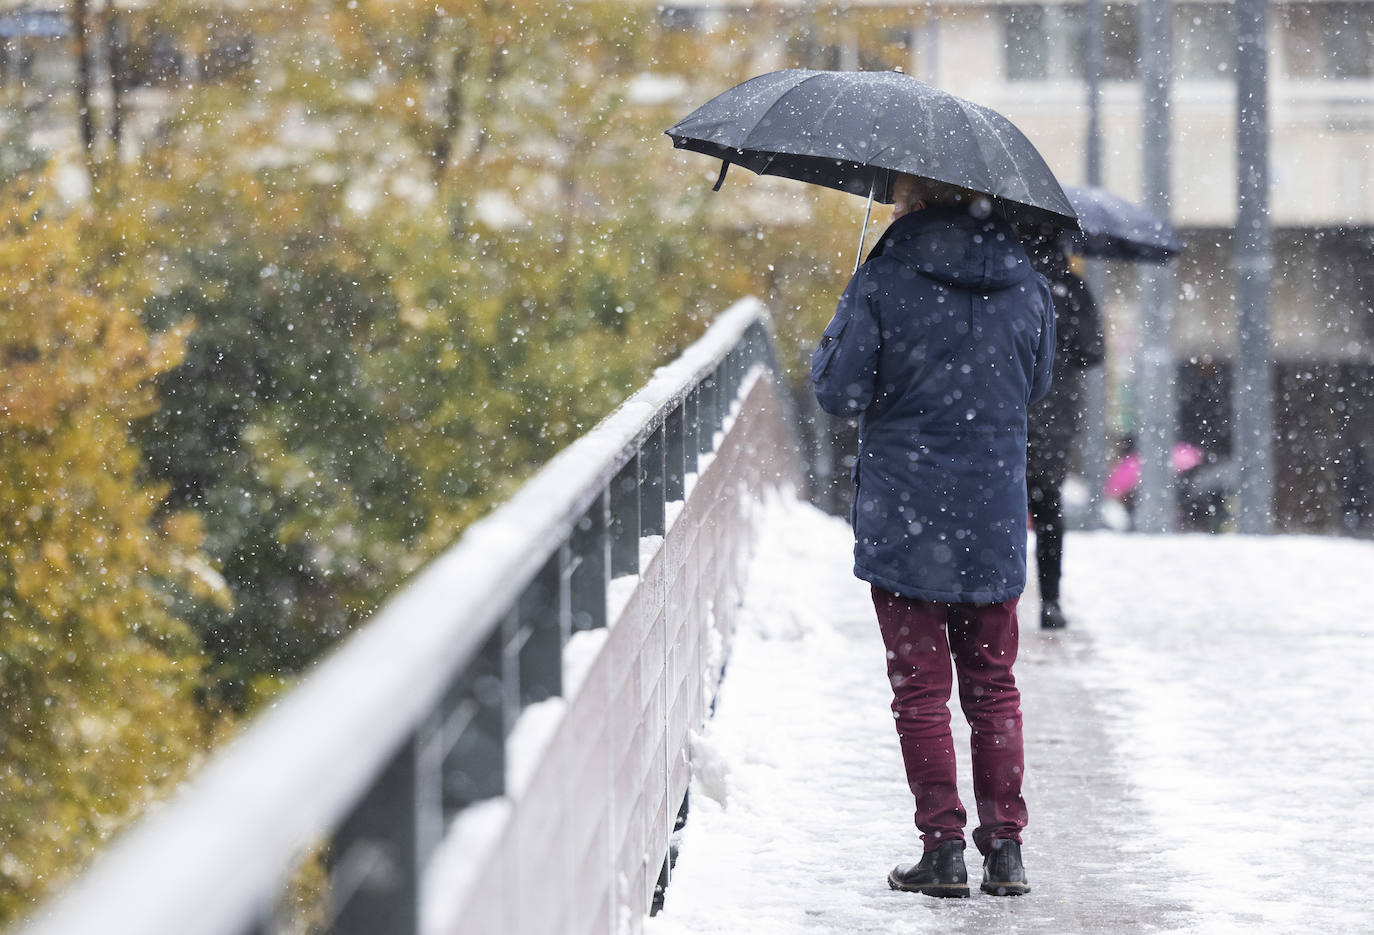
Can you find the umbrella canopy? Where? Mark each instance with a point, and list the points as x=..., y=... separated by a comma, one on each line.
x=1126, y=475
x=1113, y=228
x=852, y=130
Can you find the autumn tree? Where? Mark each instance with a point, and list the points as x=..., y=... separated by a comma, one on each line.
x=275, y=428
x=98, y=673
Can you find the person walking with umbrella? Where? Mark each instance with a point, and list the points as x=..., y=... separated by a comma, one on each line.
x=1055, y=421
x=1109, y=228
x=941, y=341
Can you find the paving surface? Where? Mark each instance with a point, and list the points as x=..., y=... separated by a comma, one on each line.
x=1160, y=756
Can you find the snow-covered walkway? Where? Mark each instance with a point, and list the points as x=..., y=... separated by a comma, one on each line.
x=1199, y=745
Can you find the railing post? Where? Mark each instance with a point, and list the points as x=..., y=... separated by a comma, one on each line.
x=474, y=731
x=734, y=369
x=675, y=471
x=706, y=410
x=591, y=557
x=375, y=880
x=722, y=393
x=512, y=638
x=432, y=743
x=760, y=348
x=545, y=620
x=764, y=352
x=625, y=520
x=691, y=413
x=653, y=492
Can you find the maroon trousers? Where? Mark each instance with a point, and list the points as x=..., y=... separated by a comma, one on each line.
x=921, y=638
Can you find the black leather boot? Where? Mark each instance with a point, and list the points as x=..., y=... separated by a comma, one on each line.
x=1052, y=616
x=1003, y=872
x=941, y=872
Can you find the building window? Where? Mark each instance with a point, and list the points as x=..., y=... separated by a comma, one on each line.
x=1045, y=42
x=687, y=19
x=1120, y=42
x=1331, y=41
x=1037, y=41
x=1204, y=41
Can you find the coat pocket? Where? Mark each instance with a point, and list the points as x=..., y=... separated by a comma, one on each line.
x=825, y=350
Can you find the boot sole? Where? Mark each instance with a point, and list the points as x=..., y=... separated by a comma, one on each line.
x=944, y=890
x=1006, y=889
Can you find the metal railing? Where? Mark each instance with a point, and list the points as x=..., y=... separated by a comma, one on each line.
x=503, y=748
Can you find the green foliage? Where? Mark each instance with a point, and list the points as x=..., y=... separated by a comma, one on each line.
x=272, y=429
x=373, y=362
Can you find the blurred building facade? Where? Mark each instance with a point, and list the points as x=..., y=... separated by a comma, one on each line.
x=1025, y=59
x=137, y=54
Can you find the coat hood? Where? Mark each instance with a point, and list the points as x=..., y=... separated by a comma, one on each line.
x=955, y=248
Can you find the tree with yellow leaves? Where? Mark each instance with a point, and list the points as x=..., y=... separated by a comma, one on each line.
x=98, y=673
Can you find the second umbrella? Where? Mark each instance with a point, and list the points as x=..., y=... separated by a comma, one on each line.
x=1113, y=228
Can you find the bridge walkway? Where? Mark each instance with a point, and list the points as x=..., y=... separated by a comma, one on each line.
x=1199, y=748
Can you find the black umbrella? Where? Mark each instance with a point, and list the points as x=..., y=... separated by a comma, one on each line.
x=852, y=130
x=1113, y=228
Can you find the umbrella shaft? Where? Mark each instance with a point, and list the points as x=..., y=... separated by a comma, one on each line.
x=858, y=258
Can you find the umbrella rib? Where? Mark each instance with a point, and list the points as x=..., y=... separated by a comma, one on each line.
x=764, y=116
x=985, y=183
x=982, y=146
x=945, y=175
x=744, y=141
x=982, y=141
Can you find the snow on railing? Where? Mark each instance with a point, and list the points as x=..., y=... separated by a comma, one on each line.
x=503, y=748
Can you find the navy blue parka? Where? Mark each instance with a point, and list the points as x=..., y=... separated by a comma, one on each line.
x=941, y=342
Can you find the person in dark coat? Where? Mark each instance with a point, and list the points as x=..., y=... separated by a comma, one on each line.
x=1056, y=421
x=941, y=342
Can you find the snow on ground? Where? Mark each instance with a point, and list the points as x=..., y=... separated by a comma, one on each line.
x=1200, y=748
x=1239, y=671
